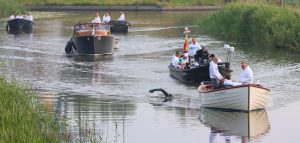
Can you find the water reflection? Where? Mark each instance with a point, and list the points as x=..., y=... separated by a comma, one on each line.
x=243, y=126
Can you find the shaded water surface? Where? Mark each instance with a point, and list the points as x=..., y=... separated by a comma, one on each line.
x=109, y=97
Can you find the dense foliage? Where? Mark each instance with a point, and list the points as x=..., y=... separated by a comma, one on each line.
x=259, y=24
x=21, y=118
x=11, y=7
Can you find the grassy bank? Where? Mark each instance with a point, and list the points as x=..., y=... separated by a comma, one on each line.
x=10, y=7
x=21, y=119
x=258, y=24
x=124, y=2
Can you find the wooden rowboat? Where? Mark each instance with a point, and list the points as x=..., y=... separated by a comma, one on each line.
x=245, y=97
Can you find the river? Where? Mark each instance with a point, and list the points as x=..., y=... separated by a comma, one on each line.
x=108, y=101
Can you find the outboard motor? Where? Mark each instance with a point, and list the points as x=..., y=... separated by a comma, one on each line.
x=69, y=47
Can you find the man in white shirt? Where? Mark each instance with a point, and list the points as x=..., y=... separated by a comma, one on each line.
x=229, y=82
x=122, y=17
x=214, y=73
x=29, y=17
x=19, y=16
x=97, y=18
x=175, y=59
x=193, y=47
x=11, y=17
x=106, y=18
x=246, y=76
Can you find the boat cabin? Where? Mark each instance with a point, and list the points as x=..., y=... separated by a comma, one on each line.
x=91, y=29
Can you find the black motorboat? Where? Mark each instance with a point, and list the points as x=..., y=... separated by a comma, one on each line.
x=199, y=73
x=18, y=26
x=119, y=26
x=91, y=39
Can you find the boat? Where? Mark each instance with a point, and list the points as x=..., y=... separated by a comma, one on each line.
x=246, y=125
x=18, y=26
x=117, y=26
x=199, y=73
x=244, y=97
x=91, y=39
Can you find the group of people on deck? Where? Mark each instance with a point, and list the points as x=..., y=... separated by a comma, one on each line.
x=106, y=18
x=28, y=16
x=198, y=55
x=195, y=56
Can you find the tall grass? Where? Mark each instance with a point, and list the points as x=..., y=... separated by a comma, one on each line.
x=124, y=2
x=21, y=119
x=10, y=7
x=259, y=24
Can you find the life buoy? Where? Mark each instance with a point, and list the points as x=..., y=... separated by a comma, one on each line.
x=69, y=47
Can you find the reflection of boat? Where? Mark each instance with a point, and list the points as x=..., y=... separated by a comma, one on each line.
x=119, y=26
x=90, y=39
x=245, y=97
x=243, y=124
x=18, y=26
x=197, y=74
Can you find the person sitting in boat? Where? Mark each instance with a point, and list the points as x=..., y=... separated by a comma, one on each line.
x=175, y=59
x=122, y=17
x=106, y=18
x=97, y=18
x=19, y=16
x=229, y=82
x=184, y=61
x=79, y=26
x=193, y=47
x=246, y=76
x=202, y=56
x=12, y=17
x=214, y=73
x=29, y=17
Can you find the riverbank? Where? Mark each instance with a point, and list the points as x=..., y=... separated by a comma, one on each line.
x=22, y=118
x=260, y=25
x=120, y=8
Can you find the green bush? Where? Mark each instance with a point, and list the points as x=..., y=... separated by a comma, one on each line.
x=258, y=24
x=21, y=118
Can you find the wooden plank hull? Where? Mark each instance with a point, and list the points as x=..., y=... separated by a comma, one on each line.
x=245, y=124
x=246, y=98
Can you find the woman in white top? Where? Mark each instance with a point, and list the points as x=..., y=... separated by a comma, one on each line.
x=97, y=18
x=122, y=17
x=106, y=18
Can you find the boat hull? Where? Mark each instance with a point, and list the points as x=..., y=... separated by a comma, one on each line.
x=93, y=45
x=18, y=26
x=246, y=98
x=118, y=26
x=243, y=124
x=198, y=74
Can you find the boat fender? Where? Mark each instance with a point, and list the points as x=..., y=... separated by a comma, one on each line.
x=69, y=46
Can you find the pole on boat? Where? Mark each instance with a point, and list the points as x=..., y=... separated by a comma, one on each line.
x=230, y=50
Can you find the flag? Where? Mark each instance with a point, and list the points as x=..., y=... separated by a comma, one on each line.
x=185, y=46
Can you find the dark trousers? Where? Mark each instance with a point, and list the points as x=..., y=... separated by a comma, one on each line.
x=215, y=82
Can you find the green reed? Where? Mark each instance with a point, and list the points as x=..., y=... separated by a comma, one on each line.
x=10, y=7
x=259, y=24
x=21, y=117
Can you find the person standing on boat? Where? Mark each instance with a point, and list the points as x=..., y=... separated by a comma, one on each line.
x=97, y=18
x=214, y=73
x=246, y=76
x=19, y=16
x=193, y=47
x=12, y=17
x=175, y=59
x=106, y=18
x=122, y=17
x=29, y=17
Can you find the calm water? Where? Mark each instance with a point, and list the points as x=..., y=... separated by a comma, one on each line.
x=110, y=97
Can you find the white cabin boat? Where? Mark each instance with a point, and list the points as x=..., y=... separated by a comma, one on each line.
x=243, y=124
x=245, y=97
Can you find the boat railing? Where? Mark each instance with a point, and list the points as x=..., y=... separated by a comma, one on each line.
x=91, y=29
